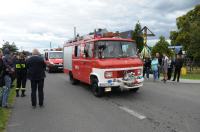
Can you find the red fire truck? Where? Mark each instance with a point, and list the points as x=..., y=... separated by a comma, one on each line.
x=105, y=62
x=53, y=60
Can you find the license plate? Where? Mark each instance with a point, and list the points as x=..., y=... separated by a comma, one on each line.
x=108, y=89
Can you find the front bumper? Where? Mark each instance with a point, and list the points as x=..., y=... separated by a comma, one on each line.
x=55, y=67
x=122, y=84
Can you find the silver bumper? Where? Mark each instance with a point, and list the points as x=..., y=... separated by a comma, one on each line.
x=122, y=84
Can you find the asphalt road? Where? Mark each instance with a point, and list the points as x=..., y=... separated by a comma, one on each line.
x=157, y=107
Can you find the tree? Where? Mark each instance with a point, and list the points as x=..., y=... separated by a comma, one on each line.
x=137, y=36
x=161, y=47
x=12, y=47
x=188, y=34
x=194, y=46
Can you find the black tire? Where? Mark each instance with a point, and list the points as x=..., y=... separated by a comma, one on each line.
x=135, y=90
x=48, y=69
x=96, y=90
x=72, y=80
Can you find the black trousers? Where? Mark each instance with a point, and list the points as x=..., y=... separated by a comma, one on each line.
x=177, y=72
x=159, y=69
x=169, y=73
x=21, y=82
x=37, y=85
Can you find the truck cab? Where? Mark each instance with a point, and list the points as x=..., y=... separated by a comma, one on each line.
x=54, y=60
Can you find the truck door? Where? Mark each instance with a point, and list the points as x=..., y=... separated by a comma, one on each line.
x=76, y=65
x=86, y=62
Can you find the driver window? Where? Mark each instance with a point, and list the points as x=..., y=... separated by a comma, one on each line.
x=88, y=50
x=77, y=51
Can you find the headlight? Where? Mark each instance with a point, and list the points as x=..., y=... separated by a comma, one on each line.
x=108, y=74
x=51, y=63
x=139, y=72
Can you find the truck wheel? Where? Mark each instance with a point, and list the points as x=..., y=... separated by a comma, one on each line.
x=72, y=80
x=48, y=69
x=135, y=90
x=97, y=91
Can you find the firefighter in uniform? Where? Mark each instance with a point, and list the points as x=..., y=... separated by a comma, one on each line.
x=21, y=72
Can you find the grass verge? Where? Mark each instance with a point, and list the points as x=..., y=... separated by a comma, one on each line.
x=5, y=113
x=191, y=76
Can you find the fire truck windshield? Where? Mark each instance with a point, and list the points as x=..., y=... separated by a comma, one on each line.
x=115, y=49
x=55, y=55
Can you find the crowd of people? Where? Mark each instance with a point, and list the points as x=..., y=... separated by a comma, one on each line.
x=16, y=66
x=163, y=64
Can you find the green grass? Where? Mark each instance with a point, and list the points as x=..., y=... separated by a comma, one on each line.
x=194, y=75
x=5, y=113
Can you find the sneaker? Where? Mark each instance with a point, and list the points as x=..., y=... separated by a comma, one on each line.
x=23, y=95
x=33, y=106
x=7, y=106
x=41, y=106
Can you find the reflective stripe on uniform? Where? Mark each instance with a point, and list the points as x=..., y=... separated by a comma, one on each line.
x=17, y=88
x=23, y=65
x=18, y=66
x=23, y=88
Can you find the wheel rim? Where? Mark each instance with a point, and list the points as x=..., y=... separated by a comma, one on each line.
x=95, y=89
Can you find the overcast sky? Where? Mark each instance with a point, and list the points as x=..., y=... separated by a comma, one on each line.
x=34, y=23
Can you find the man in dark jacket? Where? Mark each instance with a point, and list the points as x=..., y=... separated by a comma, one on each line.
x=36, y=73
x=178, y=65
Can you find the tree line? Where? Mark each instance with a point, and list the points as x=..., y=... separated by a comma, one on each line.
x=186, y=35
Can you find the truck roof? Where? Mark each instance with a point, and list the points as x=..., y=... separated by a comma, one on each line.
x=97, y=39
x=110, y=39
x=53, y=51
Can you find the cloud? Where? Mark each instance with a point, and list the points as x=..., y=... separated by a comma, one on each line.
x=36, y=23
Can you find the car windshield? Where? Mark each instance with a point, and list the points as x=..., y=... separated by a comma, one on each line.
x=55, y=55
x=115, y=49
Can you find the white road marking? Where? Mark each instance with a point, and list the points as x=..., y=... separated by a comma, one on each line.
x=132, y=112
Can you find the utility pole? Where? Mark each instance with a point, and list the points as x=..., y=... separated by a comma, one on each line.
x=50, y=45
x=74, y=32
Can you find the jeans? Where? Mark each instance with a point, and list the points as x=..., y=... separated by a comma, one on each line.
x=6, y=90
x=155, y=74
